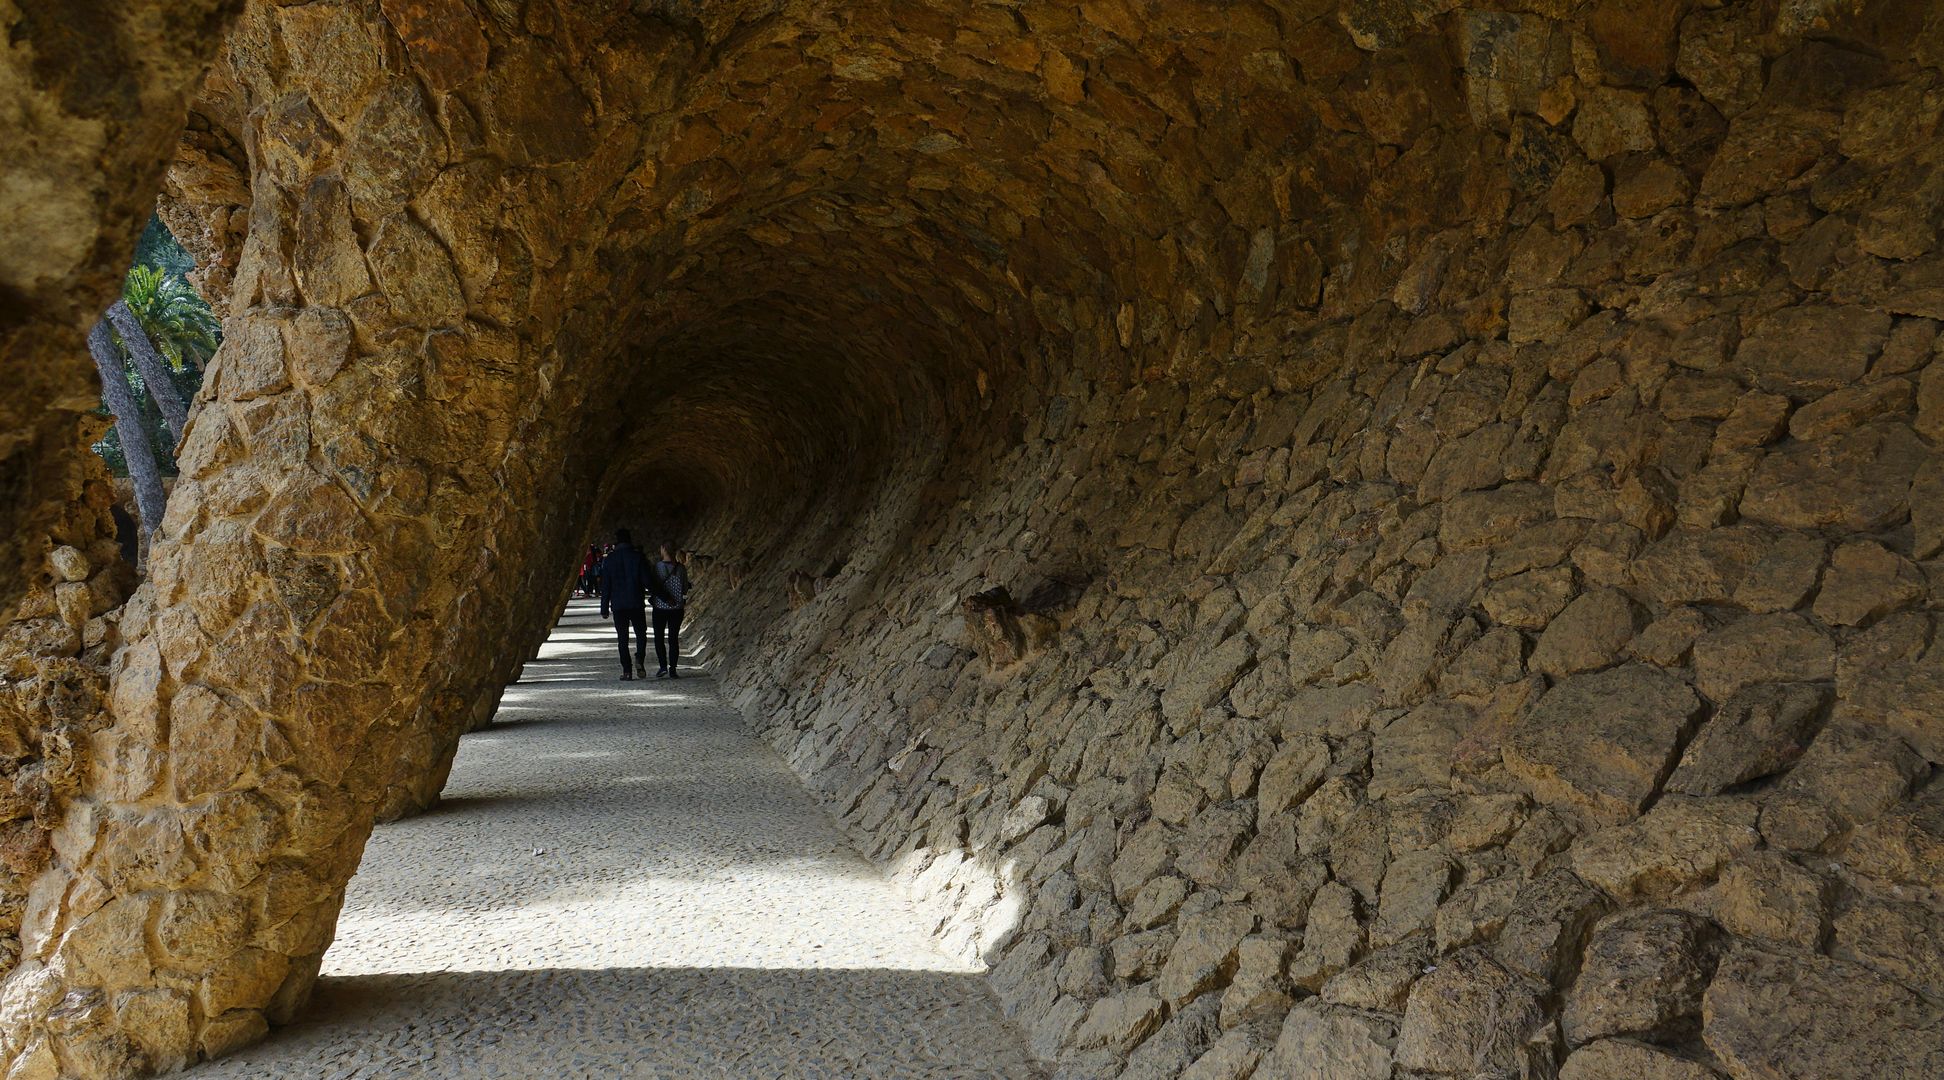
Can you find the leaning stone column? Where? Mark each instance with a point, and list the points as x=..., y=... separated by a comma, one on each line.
x=346, y=540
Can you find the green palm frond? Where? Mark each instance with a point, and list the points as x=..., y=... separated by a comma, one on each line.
x=185, y=331
x=142, y=286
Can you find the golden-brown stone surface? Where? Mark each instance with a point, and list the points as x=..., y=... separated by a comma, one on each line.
x=92, y=96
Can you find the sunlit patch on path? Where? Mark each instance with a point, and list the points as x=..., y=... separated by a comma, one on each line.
x=622, y=883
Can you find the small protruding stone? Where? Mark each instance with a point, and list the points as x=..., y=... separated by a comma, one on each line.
x=69, y=563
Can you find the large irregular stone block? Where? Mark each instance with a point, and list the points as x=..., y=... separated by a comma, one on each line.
x=1855, y=769
x=1415, y=752
x=1205, y=953
x=1784, y=576
x=1851, y=407
x=1624, y=1059
x=1171, y=1049
x=1547, y=924
x=1205, y=679
x=1642, y=976
x=1510, y=61
x=1529, y=601
x=1212, y=840
x=1903, y=849
x=1382, y=981
x=1698, y=567
x=1384, y=24
x=1600, y=743
x=1766, y=895
x=1807, y=350
x=1813, y=1018
x=1475, y=913
x=1859, y=481
x=1234, y=1056
x=443, y=37
x=1590, y=633
x=110, y=946
x=1763, y=149
x=1121, y=1021
x=1895, y=938
x=1637, y=40
x=1757, y=732
x=1905, y=694
x=1331, y=940
x=1291, y=775
x=1759, y=649
x=1479, y=518
x=1261, y=986
x=1468, y=1016
x=1318, y=1043
x=1414, y=885
x=1679, y=842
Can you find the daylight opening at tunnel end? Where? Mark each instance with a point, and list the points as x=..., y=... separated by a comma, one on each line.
x=1354, y=539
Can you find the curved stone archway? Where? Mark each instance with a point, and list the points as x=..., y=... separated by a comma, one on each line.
x=1389, y=534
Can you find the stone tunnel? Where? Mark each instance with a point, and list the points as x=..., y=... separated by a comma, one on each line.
x=1342, y=538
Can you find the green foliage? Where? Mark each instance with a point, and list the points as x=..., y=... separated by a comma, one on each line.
x=158, y=248
x=180, y=324
x=176, y=318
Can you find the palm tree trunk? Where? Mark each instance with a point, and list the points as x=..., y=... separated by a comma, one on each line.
x=136, y=448
x=153, y=369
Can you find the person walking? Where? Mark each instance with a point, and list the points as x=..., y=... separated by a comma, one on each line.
x=668, y=588
x=589, y=570
x=624, y=579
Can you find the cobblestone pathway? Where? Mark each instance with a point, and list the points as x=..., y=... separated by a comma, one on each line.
x=621, y=883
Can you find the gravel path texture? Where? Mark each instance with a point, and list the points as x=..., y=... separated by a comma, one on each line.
x=621, y=882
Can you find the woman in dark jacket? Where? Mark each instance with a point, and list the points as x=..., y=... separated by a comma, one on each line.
x=668, y=589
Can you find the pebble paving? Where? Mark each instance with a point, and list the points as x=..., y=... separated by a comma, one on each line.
x=620, y=882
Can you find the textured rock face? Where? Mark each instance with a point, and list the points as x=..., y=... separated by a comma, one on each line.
x=1324, y=539
x=91, y=99
x=53, y=685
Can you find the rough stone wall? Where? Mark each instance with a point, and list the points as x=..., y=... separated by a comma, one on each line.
x=1513, y=653
x=52, y=689
x=1407, y=434
x=91, y=98
x=205, y=198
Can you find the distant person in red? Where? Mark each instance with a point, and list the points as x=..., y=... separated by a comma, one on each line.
x=668, y=593
x=590, y=566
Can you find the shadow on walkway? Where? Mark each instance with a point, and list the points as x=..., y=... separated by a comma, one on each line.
x=686, y=1023
x=621, y=882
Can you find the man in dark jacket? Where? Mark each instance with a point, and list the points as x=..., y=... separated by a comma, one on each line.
x=624, y=584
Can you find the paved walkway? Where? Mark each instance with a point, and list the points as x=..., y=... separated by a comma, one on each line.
x=621, y=883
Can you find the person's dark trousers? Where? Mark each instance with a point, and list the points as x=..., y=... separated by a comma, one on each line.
x=639, y=620
x=668, y=637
